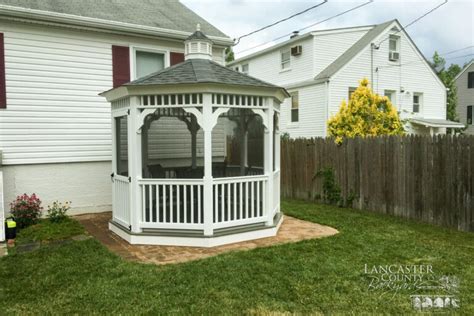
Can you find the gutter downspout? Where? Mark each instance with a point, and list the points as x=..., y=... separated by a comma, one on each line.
x=327, y=110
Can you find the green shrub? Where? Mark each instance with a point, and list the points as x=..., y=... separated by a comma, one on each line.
x=57, y=211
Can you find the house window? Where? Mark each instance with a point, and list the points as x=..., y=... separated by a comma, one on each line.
x=417, y=102
x=121, y=147
x=391, y=95
x=147, y=62
x=285, y=59
x=245, y=69
x=394, y=48
x=295, y=105
x=470, y=80
x=351, y=91
x=469, y=115
x=237, y=68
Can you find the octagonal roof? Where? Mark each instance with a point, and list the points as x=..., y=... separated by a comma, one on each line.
x=194, y=71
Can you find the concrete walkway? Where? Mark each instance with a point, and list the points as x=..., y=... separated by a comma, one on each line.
x=292, y=230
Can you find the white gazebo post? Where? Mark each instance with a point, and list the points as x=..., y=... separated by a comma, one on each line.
x=268, y=160
x=208, y=183
x=135, y=163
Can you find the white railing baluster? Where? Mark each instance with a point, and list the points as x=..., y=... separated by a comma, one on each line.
x=258, y=199
x=228, y=201
x=192, y=204
x=178, y=203
x=235, y=201
x=150, y=201
x=222, y=202
x=241, y=200
x=164, y=204
x=199, y=204
x=252, y=198
x=185, y=203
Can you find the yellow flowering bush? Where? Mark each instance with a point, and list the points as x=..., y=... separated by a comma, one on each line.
x=366, y=114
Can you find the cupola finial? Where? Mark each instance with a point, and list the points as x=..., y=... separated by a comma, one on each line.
x=198, y=27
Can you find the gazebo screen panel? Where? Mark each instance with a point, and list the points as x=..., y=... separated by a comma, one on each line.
x=243, y=132
x=121, y=149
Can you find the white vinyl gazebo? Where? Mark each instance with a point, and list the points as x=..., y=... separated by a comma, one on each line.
x=196, y=154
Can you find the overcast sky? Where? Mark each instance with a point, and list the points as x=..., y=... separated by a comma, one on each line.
x=449, y=28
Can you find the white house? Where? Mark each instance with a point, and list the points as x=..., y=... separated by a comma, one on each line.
x=56, y=56
x=465, y=93
x=322, y=68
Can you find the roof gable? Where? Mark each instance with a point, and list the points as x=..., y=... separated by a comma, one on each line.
x=349, y=54
x=463, y=70
x=166, y=14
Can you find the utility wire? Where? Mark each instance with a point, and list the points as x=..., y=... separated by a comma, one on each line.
x=422, y=61
x=456, y=50
x=237, y=41
x=307, y=27
x=415, y=20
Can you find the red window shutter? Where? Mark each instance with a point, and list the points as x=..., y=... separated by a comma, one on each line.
x=176, y=58
x=120, y=65
x=3, y=89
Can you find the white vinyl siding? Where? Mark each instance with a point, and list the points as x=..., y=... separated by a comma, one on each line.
x=311, y=113
x=415, y=76
x=53, y=78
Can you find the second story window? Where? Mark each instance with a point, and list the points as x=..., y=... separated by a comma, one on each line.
x=470, y=80
x=285, y=59
x=417, y=102
x=469, y=115
x=148, y=62
x=295, y=106
x=394, y=48
x=245, y=69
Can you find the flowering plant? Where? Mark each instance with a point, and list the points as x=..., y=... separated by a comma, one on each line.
x=26, y=210
x=57, y=211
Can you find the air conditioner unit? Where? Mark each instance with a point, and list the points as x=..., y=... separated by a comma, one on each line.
x=296, y=50
x=393, y=56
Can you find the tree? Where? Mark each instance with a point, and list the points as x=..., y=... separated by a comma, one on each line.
x=366, y=114
x=229, y=54
x=447, y=76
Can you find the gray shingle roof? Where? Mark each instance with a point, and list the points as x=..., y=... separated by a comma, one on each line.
x=200, y=71
x=198, y=35
x=167, y=14
x=349, y=54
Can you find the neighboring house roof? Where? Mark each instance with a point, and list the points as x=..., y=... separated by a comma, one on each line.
x=295, y=39
x=463, y=70
x=436, y=123
x=160, y=14
x=200, y=71
x=349, y=54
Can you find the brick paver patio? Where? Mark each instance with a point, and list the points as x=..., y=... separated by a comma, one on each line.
x=291, y=230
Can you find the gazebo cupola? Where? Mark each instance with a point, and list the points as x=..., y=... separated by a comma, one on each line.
x=196, y=154
x=198, y=45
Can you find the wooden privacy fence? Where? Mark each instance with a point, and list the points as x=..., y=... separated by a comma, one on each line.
x=418, y=177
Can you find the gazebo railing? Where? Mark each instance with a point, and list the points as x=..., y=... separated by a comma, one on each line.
x=239, y=201
x=179, y=203
x=172, y=203
x=121, y=200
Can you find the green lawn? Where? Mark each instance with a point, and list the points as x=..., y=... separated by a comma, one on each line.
x=316, y=276
x=46, y=231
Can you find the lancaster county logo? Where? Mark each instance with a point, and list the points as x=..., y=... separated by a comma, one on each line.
x=428, y=290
